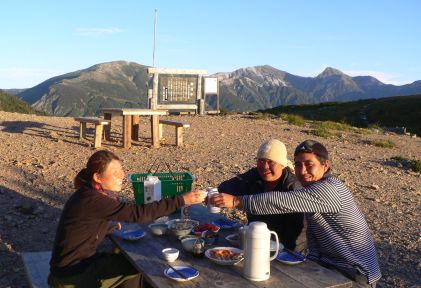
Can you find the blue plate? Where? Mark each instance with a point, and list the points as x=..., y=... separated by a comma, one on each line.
x=187, y=271
x=290, y=258
x=226, y=223
x=133, y=234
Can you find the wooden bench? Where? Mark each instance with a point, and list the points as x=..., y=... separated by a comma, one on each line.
x=179, y=126
x=99, y=124
x=37, y=267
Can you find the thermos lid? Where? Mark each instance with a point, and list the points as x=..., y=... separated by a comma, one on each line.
x=257, y=226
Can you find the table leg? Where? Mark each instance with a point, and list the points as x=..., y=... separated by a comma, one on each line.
x=155, y=130
x=107, y=128
x=127, y=131
x=135, y=127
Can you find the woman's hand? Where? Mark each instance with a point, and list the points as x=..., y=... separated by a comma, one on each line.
x=194, y=197
x=113, y=226
x=223, y=200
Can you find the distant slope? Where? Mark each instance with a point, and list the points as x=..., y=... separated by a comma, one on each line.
x=263, y=87
x=84, y=92
x=10, y=103
x=400, y=111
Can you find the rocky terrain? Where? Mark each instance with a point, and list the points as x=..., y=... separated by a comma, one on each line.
x=41, y=155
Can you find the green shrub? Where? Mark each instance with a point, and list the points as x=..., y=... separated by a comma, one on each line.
x=293, y=119
x=383, y=143
x=322, y=132
x=399, y=158
x=377, y=127
x=333, y=126
x=416, y=165
x=262, y=116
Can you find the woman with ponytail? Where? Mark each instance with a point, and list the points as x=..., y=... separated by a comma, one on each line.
x=84, y=223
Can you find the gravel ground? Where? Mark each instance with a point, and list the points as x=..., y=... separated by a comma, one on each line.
x=41, y=155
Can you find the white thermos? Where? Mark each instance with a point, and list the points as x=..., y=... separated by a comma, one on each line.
x=257, y=251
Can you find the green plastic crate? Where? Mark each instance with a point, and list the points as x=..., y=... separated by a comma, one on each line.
x=172, y=183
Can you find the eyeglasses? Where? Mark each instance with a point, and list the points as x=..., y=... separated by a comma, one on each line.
x=263, y=161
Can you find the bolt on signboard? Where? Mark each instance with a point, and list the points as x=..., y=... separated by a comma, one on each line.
x=177, y=90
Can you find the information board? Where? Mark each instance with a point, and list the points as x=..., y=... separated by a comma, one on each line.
x=177, y=88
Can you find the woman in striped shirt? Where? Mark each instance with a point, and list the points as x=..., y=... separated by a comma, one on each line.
x=338, y=235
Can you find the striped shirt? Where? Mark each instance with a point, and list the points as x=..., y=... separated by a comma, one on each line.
x=337, y=232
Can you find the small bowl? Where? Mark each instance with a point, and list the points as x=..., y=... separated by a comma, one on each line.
x=179, y=227
x=170, y=254
x=188, y=243
x=158, y=228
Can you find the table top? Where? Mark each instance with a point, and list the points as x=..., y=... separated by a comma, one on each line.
x=145, y=254
x=134, y=111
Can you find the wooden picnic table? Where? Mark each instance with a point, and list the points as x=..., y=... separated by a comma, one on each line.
x=145, y=255
x=131, y=123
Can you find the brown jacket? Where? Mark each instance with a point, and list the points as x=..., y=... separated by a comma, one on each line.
x=84, y=224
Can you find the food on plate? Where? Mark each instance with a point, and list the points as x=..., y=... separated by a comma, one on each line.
x=182, y=226
x=224, y=254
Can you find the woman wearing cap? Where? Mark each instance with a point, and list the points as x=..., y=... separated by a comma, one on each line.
x=84, y=224
x=270, y=174
x=338, y=235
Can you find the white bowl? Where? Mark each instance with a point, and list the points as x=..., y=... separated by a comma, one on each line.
x=170, y=254
x=188, y=243
x=181, y=227
x=158, y=228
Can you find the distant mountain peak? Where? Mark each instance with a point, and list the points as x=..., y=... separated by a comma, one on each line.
x=329, y=71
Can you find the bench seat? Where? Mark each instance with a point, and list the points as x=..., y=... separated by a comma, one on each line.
x=37, y=267
x=179, y=126
x=99, y=124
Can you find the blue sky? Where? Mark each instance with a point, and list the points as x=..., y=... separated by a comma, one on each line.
x=45, y=38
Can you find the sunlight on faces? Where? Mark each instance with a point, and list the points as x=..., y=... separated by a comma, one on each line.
x=112, y=178
x=308, y=168
x=269, y=170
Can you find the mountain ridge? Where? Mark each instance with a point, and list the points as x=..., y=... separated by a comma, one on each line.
x=124, y=84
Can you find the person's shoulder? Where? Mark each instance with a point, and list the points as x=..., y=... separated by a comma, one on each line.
x=291, y=180
x=238, y=184
x=333, y=179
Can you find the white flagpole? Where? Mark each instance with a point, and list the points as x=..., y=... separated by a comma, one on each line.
x=154, y=39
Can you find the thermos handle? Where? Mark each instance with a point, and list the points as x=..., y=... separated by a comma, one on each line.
x=277, y=245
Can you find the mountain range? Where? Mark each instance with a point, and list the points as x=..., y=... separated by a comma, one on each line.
x=124, y=84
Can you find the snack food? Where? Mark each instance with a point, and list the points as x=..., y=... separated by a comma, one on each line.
x=224, y=254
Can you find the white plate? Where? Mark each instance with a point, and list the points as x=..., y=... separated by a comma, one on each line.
x=190, y=272
x=130, y=234
x=208, y=254
x=287, y=258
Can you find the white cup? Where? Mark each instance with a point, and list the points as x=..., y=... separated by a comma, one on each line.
x=212, y=192
x=170, y=254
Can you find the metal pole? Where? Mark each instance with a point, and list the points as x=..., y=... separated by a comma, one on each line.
x=154, y=37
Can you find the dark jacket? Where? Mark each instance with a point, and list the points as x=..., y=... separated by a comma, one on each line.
x=287, y=226
x=84, y=224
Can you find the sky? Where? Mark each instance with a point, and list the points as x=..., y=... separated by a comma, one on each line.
x=40, y=39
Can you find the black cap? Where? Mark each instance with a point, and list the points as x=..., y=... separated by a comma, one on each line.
x=311, y=146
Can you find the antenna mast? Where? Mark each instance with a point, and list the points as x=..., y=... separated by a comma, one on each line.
x=154, y=38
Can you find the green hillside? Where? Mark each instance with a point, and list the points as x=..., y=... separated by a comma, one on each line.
x=402, y=111
x=10, y=103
